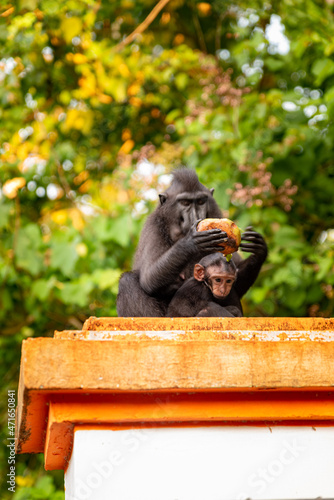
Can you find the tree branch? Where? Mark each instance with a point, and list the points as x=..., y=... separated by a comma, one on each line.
x=64, y=183
x=200, y=34
x=142, y=27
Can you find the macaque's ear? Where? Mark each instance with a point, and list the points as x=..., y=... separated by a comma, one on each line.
x=163, y=198
x=199, y=272
x=212, y=190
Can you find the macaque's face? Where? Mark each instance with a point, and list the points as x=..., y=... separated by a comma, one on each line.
x=185, y=209
x=220, y=282
x=217, y=278
x=189, y=208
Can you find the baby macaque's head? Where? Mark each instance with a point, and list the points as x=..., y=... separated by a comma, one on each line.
x=218, y=274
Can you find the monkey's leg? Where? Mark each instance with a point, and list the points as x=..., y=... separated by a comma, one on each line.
x=132, y=301
x=215, y=310
x=234, y=310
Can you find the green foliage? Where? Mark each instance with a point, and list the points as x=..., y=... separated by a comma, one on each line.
x=43, y=489
x=204, y=86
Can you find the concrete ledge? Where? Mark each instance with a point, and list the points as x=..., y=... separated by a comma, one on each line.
x=155, y=365
x=172, y=371
x=208, y=324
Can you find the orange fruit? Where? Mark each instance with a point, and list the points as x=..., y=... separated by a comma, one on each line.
x=229, y=227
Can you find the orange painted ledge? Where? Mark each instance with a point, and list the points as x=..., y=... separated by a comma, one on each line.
x=163, y=371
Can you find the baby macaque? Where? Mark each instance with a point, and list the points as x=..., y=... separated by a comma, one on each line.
x=211, y=292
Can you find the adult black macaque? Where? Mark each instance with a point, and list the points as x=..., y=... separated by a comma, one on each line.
x=212, y=291
x=170, y=246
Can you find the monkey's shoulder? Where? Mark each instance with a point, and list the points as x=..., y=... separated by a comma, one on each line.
x=153, y=242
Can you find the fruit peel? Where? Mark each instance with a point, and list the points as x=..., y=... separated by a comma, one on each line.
x=233, y=233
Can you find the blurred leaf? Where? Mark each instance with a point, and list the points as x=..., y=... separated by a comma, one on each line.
x=76, y=293
x=117, y=89
x=45, y=485
x=41, y=288
x=28, y=256
x=4, y=215
x=259, y=294
x=64, y=256
x=71, y=27
x=287, y=236
x=181, y=81
x=118, y=230
x=107, y=278
x=322, y=69
x=294, y=297
x=274, y=64
x=325, y=264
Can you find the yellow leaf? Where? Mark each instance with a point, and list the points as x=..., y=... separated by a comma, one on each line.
x=86, y=186
x=11, y=187
x=179, y=38
x=23, y=150
x=59, y=217
x=109, y=193
x=165, y=18
x=126, y=134
x=140, y=76
x=94, y=101
x=77, y=219
x=65, y=97
x=135, y=101
x=71, y=27
x=329, y=49
x=85, y=44
x=90, y=17
x=80, y=178
x=79, y=120
x=124, y=70
x=127, y=146
x=127, y=4
x=24, y=481
x=8, y=12
x=16, y=139
x=134, y=89
x=105, y=99
x=204, y=8
x=88, y=85
x=79, y=58
x=40, y=132
x=44, y=149
x=117, y=88
x=124, y=195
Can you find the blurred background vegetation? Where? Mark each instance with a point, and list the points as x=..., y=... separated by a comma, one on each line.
x=92, y=123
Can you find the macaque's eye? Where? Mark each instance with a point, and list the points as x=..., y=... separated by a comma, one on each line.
x=201, y=201
x=217, y=280
x=185, y=203
x=229, y=281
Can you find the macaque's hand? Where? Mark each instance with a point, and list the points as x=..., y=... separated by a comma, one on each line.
x=254, y=243
x=206, y=242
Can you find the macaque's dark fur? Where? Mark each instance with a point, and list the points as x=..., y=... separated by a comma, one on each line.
x=169, y=248
x=155, y=239
x=195, y=298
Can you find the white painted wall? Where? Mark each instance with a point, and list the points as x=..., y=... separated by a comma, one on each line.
x=203, y=463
